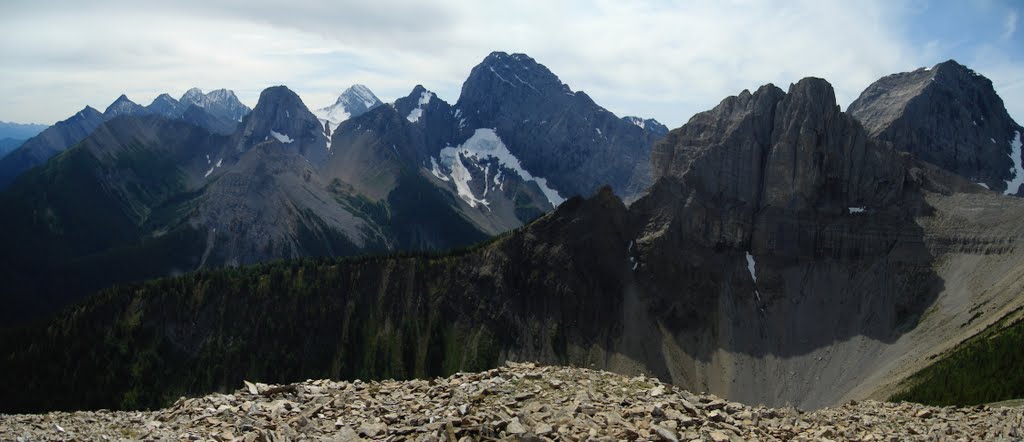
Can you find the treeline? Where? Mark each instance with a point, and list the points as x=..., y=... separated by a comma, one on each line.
x=987, y=368
x=536, y=292
x=142, y=346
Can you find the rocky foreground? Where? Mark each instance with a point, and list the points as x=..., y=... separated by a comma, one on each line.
x=518, y=401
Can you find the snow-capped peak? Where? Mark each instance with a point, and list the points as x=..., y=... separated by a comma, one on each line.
x=361, y=92
x=353, y=102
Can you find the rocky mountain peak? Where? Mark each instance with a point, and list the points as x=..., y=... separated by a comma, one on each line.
x=277, y=96
x=278, y=106
x=952, y=67
x=753, y=114
x=648, y=124
x=812, y=96
x=227, y=104
x=507, y=73
x=193, y=96
x=572, y=142
x=87, y=112
x=416, y=91
x=948, y=115
x=358, y=93
x=414, y=105
x=789, y=151
x=951, y=74
x=222, y=95
x=165, y=105
x=353, y=102
x=282, y=116
x=50, y=142
x=122, y=106
x=164, y=98
x=221, y=103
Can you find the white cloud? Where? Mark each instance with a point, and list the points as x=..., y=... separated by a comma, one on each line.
x=1011, y=25
x=665, y=59
x=1007, y=77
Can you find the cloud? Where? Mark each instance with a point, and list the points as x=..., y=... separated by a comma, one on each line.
x=1011, y=25
x=666, y=59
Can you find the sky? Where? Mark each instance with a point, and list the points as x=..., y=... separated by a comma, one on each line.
x=660, y=58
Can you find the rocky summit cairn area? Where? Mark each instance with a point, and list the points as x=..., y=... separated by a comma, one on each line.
x=520, y=401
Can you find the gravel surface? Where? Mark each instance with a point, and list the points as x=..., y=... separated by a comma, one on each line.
x=516, y=402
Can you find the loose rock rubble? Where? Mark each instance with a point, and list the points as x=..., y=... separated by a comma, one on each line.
x=516, y=402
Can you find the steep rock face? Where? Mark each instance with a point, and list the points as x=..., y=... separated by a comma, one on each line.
x=271, y=204
x=558, y=134
x=48, y=143
x=949, y=116
x=789, y=245
x=198, y=116
x=771, y=151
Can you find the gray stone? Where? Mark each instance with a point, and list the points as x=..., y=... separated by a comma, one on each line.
x=353, y=418
x=515, y=427
x=665, y=434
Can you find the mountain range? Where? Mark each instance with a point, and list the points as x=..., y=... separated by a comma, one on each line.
x=13, y=135
x=773, y=249
x=219, y=111
x=19, y=131
x=168, y=193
